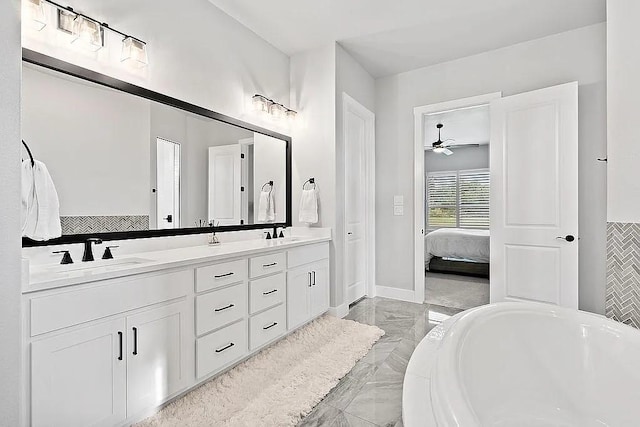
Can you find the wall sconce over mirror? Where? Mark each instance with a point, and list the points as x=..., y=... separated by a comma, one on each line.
x=86, y=32
x=262, y=104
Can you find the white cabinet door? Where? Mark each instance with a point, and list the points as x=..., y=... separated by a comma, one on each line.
x=78, y=378
x=298, y=286
x=319, y=290
x=534, y=196
x=156, y=362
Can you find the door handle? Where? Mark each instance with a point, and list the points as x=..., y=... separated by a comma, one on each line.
x=270, y=326
x=226, y=347
x=135, y=341
x=569, y=238
x=314, y=278
x=349, y=233
x=309, y=279
x=224, y=308
x=169, y=218
x=120, y=341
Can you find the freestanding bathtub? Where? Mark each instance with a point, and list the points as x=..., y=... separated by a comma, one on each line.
x=524, y=364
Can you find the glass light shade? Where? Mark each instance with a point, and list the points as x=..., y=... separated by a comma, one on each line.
x=87, y=34
x=134, y=52
x=260, y=103
x=33, y=14
x=291, y=115
x=439, y=149
x=278, y=111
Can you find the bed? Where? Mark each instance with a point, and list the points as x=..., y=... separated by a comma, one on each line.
x=458, y=251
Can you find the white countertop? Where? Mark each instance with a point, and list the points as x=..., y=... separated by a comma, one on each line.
x=43, y=277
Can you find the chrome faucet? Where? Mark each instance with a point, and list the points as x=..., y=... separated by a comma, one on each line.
x=88, y=250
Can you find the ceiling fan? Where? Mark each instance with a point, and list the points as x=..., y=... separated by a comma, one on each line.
x=443, y=147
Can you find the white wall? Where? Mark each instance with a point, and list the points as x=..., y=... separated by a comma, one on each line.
x=313, y=80
x=197, y=53
x=462, y=158
x=93, y=141
x=10, y=313
x=269, y=165
x=355, y=81
x=575, y=55
x=623, y=92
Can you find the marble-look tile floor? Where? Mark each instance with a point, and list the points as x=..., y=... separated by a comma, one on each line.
x=371, y=394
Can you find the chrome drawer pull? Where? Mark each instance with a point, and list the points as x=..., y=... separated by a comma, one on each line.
x=270, y=326
x=223, y=275
x=224, y=308
x=269, y=265
x=270, y=292
x=226, y=347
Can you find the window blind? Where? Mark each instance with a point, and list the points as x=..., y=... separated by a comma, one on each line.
x=458, y=199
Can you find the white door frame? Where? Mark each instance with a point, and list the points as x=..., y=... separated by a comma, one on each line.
x=419, y=114
x=349, y=104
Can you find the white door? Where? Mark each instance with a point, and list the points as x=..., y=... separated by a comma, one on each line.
x=225, y=182
x=319, y=290
x=358, y=133
x=155, y=360
x=534, y=196
x=167, y=184
x=78, y=378
x=298, y=286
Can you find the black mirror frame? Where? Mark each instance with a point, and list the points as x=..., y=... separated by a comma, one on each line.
x=55, y=64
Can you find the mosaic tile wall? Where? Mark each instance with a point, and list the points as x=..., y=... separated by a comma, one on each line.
x=103, y=224
x=623, y=273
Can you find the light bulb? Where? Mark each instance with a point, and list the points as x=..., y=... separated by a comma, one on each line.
x=33, y=14
x=134, y=52
x=438, y=150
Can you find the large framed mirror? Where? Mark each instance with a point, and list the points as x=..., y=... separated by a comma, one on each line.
x=129, y=163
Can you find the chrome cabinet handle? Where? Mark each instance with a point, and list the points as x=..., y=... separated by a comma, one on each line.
x=223, y=275
x=270, y=326
x=226, y=347
x=270, y=292
x=269, y=265
x=120, y=335
x=224, y=308
x=135, y=341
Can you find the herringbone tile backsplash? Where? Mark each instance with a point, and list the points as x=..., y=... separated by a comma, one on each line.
x=623, y=273
x=103, y=224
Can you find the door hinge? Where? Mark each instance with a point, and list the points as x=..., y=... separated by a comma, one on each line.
x=241, y=188
x=242, y=155
x=241, y=221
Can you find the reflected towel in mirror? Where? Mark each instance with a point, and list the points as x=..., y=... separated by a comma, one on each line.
x=266, y=207
x=40, y=210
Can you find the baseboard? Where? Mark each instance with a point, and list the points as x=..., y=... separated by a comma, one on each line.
x=339, y=311
x=395, y=293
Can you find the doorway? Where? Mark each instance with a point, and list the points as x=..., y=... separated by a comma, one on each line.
x=167, y=184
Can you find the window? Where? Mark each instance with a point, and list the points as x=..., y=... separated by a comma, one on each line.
x=458, y=199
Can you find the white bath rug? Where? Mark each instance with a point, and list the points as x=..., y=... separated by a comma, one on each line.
x=281, y=384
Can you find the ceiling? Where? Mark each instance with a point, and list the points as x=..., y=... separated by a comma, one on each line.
x=388, y=37
x=466, y=126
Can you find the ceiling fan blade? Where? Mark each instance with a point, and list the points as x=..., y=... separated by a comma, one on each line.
x=447, y=152
x=463, y=145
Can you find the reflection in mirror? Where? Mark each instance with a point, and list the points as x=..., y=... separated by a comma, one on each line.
x=124, y=163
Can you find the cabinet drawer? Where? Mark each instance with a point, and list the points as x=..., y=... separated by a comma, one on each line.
x=219, y=308
x=266, y=292
x=267, y=264
x=68, y=308
x=221, y=348
x=267, y=326
x=215, y=276
x=307, y=254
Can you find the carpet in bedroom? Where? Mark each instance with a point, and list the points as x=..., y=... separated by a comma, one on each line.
x=451, y=290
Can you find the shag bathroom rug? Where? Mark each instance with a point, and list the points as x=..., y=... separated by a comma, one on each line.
x=278, y=386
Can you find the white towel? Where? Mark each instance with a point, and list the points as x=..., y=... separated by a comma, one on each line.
x=40, y=204
x=309, y=207
x=266, y=207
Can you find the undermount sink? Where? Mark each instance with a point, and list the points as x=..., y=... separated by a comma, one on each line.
x=99, y=265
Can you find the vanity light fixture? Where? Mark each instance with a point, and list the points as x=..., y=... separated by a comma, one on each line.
x=33, y=14
x=262, y=104
x=89, y=33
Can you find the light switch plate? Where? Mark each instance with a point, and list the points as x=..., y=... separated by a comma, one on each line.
x=398, y=210
x=398, y=200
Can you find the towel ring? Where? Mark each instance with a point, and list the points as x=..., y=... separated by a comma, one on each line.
x=29, y=152
x=310, y=181
x=270, y=183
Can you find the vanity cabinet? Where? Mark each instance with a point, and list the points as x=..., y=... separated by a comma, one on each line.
x=307, y=284
x=79, y=377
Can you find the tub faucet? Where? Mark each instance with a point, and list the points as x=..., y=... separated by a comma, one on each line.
x=88, y=250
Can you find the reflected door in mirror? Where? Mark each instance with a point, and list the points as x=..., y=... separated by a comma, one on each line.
x=168, y=184
x=225, y=184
